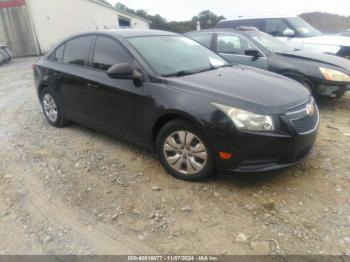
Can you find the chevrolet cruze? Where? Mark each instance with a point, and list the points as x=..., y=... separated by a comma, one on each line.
x=169, y=94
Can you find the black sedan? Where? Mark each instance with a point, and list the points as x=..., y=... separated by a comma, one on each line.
x=323, y=74
x=169, y=94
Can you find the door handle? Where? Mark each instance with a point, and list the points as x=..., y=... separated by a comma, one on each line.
x=92, y=85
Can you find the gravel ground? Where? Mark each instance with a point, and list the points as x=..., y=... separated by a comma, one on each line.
x=76, y=191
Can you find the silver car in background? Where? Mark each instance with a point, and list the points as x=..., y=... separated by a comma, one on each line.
x=5, y=53
x=295, y=31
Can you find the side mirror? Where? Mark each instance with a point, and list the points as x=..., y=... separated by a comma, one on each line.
x=253, y=53
x=125, y=71
x=289, y=32
x=121, y=71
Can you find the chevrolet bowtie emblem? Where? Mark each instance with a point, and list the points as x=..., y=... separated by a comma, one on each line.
x=310, y=109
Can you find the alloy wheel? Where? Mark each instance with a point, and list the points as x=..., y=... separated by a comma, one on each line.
x=50, y=108
x=185, y=152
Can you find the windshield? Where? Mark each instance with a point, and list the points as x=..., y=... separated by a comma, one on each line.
x=303, y=28
x=271, y=43
x=176, y=55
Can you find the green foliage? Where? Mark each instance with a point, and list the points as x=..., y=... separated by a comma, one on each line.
x=206, y=18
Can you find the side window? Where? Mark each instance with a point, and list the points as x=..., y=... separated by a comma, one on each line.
x=109, y=52
x=204, y=39
x=232, y=44
x=275, y=27
x=257, y=23
x=57, y=54
x=77, y=51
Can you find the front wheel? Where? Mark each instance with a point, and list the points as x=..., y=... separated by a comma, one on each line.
x=184, y=152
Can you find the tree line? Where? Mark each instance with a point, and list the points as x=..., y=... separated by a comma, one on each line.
x=206, y=18
x=325, y=22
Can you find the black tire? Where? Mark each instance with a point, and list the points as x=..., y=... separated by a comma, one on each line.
x=340, y=93
x=177, y=126
x=60, y=120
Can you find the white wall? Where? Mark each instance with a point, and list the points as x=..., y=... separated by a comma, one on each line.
x=55, y=20
x=139, y=23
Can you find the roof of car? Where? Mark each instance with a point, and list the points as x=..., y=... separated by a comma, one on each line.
x=218, y=30
x=257, y=17
x=135, y=32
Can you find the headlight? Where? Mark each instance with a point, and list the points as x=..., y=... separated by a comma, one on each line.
x=248, y=121
x=334, y=75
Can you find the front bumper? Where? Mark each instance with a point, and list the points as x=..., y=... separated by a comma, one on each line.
x=332, y=89
x=256, y=152
x=267, y=153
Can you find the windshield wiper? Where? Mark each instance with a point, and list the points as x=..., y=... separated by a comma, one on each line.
x=180, y=73
x=189, y=72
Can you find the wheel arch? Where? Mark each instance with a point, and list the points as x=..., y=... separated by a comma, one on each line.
x=41, y=87
x=170, y=116
x=300, y=77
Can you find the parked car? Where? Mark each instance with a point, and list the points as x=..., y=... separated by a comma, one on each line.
x=173, y=96
x=5, y=53
x=347, y=33
x=322, y=74
x=296, y=32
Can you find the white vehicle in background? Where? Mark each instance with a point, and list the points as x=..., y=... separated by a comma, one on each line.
x=298, y=33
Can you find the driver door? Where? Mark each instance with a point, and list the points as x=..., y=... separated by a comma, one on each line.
x=233, y=48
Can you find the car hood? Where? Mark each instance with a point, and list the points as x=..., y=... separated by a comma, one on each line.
x=320, y=58
x=334, y=40
x=244, y=87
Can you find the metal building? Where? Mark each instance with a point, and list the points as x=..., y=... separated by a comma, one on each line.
x=32, y=27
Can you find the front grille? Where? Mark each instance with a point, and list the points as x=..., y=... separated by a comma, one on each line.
x=304, y=121
x=305, y=124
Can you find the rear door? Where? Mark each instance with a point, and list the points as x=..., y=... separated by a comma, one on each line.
x=72, y=77
x=232, y=47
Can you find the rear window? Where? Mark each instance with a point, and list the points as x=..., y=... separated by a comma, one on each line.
x=57, y=54
x=77, y=51
x=204, y=39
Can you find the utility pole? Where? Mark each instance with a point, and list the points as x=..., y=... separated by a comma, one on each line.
x=198, y=26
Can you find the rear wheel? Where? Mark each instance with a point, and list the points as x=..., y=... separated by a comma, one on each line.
x=52, y=108
x=184, y=152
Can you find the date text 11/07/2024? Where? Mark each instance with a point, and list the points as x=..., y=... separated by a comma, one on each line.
x=173, y=258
